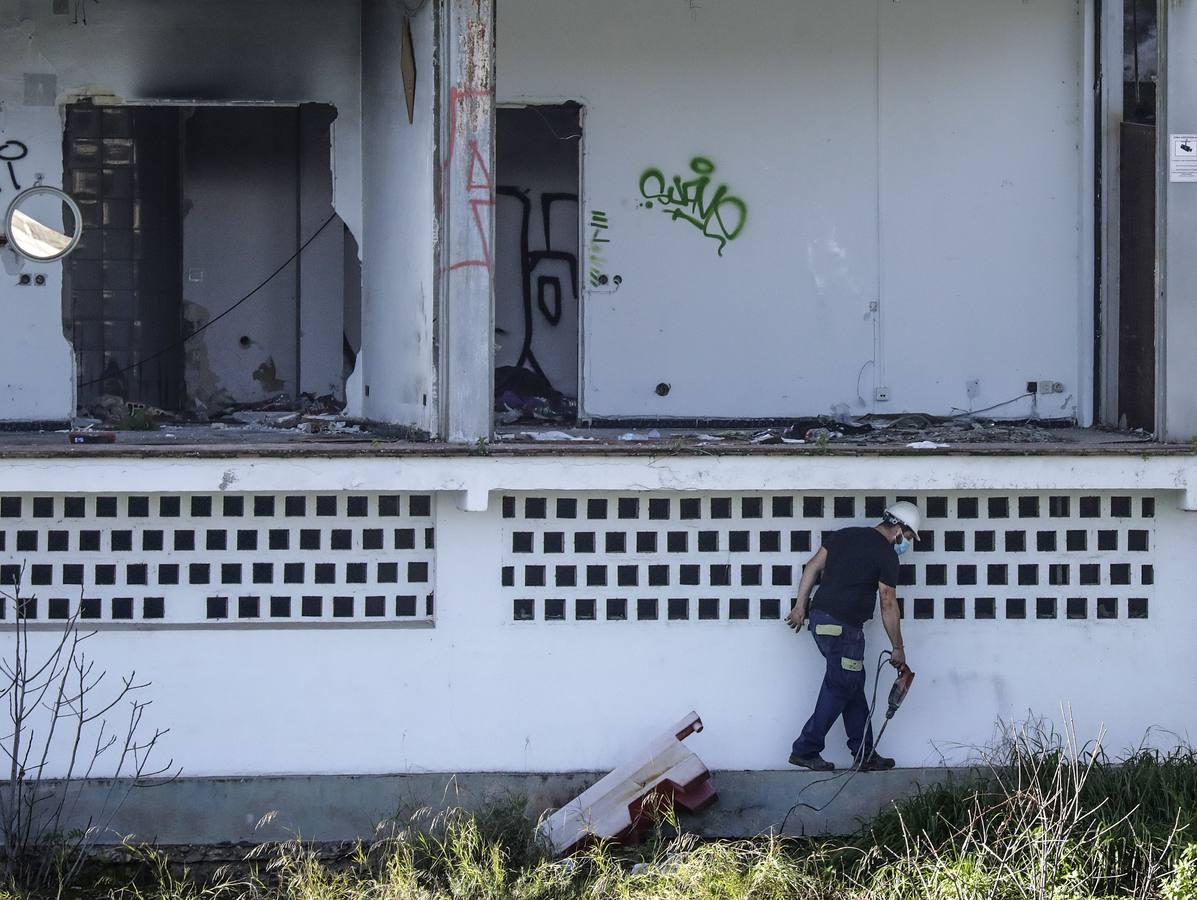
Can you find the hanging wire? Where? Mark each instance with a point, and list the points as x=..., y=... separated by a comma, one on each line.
x=214, y=319
x=552, y=130
x=857, y=764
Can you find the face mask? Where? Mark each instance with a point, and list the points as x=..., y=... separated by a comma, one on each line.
x=901, y=546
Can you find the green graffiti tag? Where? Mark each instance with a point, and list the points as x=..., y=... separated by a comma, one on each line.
x=721, y=216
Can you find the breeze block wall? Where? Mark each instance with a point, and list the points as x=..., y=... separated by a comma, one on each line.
x=477, y=615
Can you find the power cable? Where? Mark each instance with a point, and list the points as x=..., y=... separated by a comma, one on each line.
x=552, y=130
x=847, y=774
x=964, y=414
x=216, y=318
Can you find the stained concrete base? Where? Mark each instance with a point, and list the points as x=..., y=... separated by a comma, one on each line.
x=345, y=807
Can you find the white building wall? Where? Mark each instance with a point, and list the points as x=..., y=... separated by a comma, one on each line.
x=923, y=155
x=1178, y=200
x=224, y=51
x=395, y=380
x=481, y=690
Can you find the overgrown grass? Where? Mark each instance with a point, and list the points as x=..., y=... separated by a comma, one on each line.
x=1043, y=818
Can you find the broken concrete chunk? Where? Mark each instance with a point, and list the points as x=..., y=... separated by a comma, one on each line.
x=625, y=802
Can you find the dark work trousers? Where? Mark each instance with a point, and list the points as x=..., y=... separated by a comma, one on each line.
x=843, y=690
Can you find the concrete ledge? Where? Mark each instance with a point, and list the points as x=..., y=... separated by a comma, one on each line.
x=753, y=803
x=345, y=807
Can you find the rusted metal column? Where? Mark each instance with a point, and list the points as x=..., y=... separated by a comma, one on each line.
x=467, y=209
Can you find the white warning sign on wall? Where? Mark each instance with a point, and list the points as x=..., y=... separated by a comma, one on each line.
x=1183, y=157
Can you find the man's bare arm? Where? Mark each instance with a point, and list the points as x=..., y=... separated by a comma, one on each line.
x=892, y=620
x=810, y=574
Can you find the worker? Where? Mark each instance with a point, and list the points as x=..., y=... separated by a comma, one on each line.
x=857, y=565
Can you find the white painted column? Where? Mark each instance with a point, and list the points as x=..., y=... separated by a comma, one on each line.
x=1177, y=322
x=467, y=221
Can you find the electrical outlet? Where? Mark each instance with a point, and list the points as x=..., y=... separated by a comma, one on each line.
x=881, y=394
x=972, y=387
x=1048, y=386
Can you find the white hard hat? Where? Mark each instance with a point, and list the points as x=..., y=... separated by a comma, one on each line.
x=907, y=514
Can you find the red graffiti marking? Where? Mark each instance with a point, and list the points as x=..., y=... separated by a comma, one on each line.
x=478, y=164
x=476, y=207
x=479, y=183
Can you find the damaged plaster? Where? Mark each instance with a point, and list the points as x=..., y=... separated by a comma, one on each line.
x=203, y=388
x=216, y=53
x=266, y=375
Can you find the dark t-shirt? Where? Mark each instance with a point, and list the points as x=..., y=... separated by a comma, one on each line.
x=857, y=560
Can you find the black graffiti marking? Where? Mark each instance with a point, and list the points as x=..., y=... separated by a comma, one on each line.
x=7, y=151
x=598, y=224
x=552, y=310
x=687, y=201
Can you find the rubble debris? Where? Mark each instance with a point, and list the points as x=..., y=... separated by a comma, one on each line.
x=107, y=408
x=553, y=436
x=766, y=437
x=801, y=428
x=917, y=431
x=265, y=417
x=325, y=404
x=522, y=395
x=822, y=436
x=277, y=403
x=508, y=416
x=926, y=429
x=624, y=803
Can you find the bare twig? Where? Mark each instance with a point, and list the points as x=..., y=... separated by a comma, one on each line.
x=58, y=712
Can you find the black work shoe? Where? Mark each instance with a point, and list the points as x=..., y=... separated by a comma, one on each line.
x=876, y=763
x=814, y=762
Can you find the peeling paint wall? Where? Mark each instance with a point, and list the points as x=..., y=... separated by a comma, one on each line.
x=922, y=155
x=394, y=378
x=142, y=50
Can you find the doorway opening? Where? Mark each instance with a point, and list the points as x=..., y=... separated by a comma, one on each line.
x=187, y=209
x=537, y=283
x=1137, y=219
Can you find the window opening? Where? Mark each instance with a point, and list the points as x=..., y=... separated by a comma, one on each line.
x=187, y=209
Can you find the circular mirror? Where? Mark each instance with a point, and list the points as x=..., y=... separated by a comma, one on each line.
x=43, y=224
